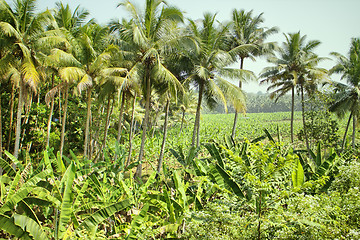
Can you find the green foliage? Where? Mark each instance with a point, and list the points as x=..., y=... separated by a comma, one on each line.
x=320, y=126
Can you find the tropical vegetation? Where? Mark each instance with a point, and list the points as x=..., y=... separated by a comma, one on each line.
x=119, y=131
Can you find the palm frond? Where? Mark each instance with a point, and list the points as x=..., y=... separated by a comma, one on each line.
x=233, y=94
x=85, y=83
x=30, y=75
x=60, y=58
x=240, y=74
x=71, y=74
x=8, y=31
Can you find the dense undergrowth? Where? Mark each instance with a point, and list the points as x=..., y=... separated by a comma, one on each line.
x=258, y=188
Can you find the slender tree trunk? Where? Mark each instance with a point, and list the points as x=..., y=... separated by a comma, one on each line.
x=303, y=119
x=292, y=114
x=346, y=130
x=196, y=136
x=121, y=116
x=97, y=123
x=354, y=132
x=182, y=122
x=88, y=122
x=101, y=150
x=138, y=172
x=18, y=121
x=234, y=124
x=11, y=115
x=161, y=157
x=49, y=122
x=26, y=119
x=62, y=138
x=154, y=125
x=50, y=114
x=131, y=131
x=1, y=145
x=236, y=112
x=60, y=116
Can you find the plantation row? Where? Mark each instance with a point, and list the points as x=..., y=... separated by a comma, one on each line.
x=102, y=137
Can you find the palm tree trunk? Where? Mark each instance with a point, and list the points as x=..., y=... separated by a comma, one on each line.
x=138, y=172
x=18, y=121
x=236, y=112
x=1, y=145
x=161, y=157
x=292, y=114
x=234, y=124
x=11, y=115
x=197, y=118
x=346, y=130
x=131, y=132
x=88, y=122
x=303, y=119
x=50, y=115
x=26, y=119
x=62, y=138
x=121, y=115
x=354, y=132
x=182, y=122
x=60, y=116
x=101, y=150
x=49, y=122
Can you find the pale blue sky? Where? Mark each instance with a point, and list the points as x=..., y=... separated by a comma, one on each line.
x=333, y=22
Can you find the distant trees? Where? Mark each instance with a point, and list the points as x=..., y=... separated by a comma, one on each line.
x=347, y=97
x=295, y=69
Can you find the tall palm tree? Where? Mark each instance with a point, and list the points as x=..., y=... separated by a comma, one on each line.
x=23, y=27
x=295, y=69
x=247, y=40
x=89, y=41
x=149, y=35
x=208, y=67
x=347, y=97
x=70, y=20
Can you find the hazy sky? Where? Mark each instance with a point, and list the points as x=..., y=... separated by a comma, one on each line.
x=333, y=22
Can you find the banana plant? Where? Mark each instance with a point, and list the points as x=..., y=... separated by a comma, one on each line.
x=319, y=164
x=18, y=188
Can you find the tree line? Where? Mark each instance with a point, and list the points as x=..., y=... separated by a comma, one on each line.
x=155, y=63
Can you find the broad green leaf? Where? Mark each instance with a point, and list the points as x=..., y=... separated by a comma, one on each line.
x=16, y=196
x=180, y=188
x=30, y=226
x=14, y=160
x=7, y=168
x=297, y=175
x=138, y=221
x=66, y=204
x=99, y=216
x=228, y=180
x=214, y=152
x=7, y=224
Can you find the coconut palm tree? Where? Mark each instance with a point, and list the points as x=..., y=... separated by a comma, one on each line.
x=295, y=69
x=23, y=27
x=247, y=41
x=347, y=97
x=208, y=67
x=88, y=60
x=147, y=37
x=88, y=41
